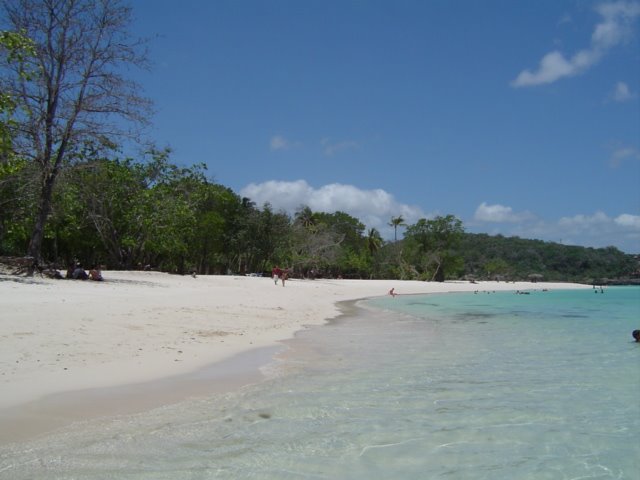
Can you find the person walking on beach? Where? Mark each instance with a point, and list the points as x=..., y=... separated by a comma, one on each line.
x=275, y=274
x=284, y=274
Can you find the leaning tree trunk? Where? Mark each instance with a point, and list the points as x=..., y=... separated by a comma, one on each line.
x=439, y=275
x=44, y=208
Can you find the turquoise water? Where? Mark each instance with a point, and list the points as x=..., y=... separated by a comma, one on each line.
x=457, y=386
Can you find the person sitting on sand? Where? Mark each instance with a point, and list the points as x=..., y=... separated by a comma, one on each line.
x=95, y=274
x=79, y=273
x=636, y=335
x=392, y=292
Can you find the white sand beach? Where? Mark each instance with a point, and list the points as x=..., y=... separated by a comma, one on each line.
x=60, y=336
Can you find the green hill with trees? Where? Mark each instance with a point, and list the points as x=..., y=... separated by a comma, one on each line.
x=498, y=257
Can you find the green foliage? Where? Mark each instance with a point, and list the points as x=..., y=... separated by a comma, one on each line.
x=395, y=223
x=15, y=47
x=17, y=203
x=11, y=166
x=329, y=244
x=431, y=247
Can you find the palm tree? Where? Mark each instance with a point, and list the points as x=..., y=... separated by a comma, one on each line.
x=304, y=216
x=374, y=240
x=395, y=223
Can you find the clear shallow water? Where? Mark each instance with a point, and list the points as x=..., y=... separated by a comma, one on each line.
x=459, y=386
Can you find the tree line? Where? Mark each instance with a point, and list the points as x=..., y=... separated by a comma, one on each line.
x=150, y=213
x=67, y=194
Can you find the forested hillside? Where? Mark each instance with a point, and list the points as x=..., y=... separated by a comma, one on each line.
x=489, y=256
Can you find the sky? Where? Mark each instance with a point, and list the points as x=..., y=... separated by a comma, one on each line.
x=519, y=117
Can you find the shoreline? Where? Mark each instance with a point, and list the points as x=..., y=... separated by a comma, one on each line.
x=71, y=346
x=28, y=421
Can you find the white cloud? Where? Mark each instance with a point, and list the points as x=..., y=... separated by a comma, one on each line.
x=552, y=67
x=374, y=208
x=626, y=220
x=499, y=214
x=623, y=154
x=566, y=18
x=333, y=148
x=614, y=29
x=622, y=93
x=278, y=142
x=582, y=222
x=616, y=26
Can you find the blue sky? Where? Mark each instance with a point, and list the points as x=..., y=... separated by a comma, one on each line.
x=519, y=117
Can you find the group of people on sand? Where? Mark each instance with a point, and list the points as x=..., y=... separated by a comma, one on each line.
x=279, y=274
x=76, y=272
